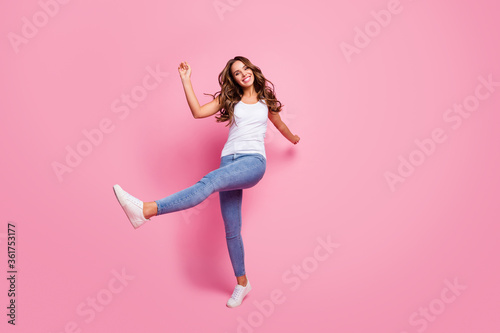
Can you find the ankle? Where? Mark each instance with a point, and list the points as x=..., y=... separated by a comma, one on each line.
x=242, y=281
x=149, y=209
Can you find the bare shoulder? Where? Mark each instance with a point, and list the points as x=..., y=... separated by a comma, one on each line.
x=274, y=117
x=215, y=102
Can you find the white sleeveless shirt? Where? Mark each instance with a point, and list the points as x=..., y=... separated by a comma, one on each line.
x=247, y=133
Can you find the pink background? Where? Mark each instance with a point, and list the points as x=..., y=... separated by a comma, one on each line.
x=399, y=248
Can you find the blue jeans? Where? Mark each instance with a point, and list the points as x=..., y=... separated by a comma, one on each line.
x=236, y=172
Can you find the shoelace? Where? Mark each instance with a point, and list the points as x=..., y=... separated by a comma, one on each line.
x=237, y=293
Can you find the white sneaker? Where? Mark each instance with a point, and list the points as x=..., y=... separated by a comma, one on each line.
x=238, y=294
x=131, y=206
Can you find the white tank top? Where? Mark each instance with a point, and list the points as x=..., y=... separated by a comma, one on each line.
x=247, y=133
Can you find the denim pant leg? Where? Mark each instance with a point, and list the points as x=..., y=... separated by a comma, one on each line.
x=236, y=171
x=230, y=206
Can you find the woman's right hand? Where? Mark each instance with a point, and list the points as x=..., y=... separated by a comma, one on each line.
x=184, y=70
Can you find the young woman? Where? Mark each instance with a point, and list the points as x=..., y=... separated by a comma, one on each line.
x=245, y=101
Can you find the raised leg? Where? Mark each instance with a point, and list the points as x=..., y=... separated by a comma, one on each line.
x=233, y=174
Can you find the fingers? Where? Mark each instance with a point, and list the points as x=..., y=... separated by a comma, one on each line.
x=184, y=65
x=184, y=70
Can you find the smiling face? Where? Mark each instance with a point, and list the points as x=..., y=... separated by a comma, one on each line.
x=242, y=74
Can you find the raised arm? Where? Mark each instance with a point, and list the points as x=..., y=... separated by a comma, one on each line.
x=281, y=126
x=198, y=111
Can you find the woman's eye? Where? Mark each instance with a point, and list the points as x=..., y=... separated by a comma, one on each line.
x=244, y=68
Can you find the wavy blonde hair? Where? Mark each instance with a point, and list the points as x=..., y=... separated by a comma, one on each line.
x=231, y=92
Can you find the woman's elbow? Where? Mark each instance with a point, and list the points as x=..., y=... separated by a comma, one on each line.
x=196, y=114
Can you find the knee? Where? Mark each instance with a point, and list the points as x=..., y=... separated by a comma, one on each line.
x=208, y=183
